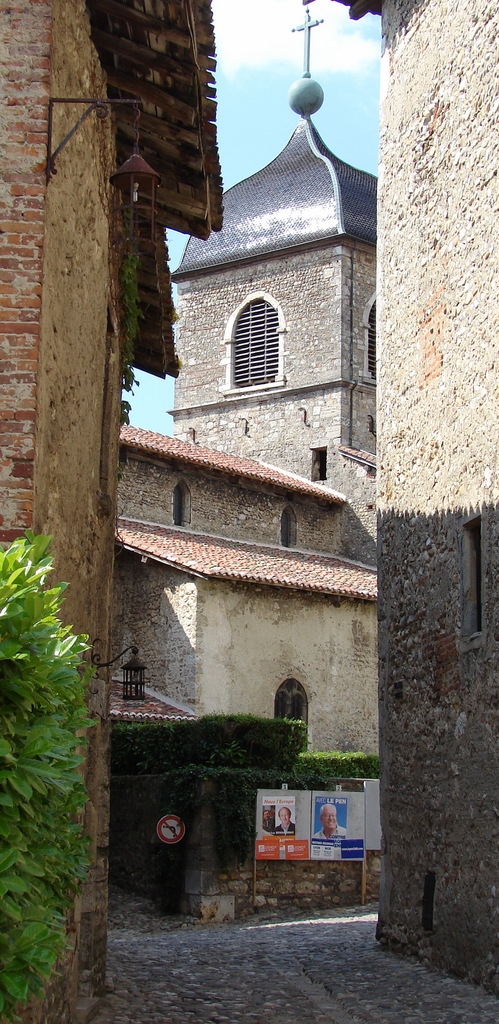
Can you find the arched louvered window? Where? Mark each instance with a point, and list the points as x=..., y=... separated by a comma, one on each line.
x=288, y=528
x=291, y=701
x=256, y=345
x=371, y=342
x=181, y=505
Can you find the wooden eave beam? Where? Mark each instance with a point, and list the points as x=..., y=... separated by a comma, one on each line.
x=358, y=8
x=185, y=112
x=132, y=16
x=146, y=58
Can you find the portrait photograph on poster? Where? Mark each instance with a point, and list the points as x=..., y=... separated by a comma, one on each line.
x=282, y=825
x=337, y=826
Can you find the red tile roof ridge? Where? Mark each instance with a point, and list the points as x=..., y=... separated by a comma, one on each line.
x=219, y=558
x=302, y=479
x=154, y=707
x=254, y=469
x=238, y=542
x=358, y=453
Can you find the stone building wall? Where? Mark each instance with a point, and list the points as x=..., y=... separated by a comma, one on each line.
x=222, y=507
x=324, y=355
x=438, y=452
x=138, y=862
x=222, y=647
x=60, y=376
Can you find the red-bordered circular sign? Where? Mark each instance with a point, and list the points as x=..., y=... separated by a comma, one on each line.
x=170, y=829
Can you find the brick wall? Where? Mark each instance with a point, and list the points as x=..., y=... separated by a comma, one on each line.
x=439, y=466
x=25, y=72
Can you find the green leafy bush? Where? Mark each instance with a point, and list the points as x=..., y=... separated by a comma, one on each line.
x=233, y=741
x=339, y=765
x=42, y=847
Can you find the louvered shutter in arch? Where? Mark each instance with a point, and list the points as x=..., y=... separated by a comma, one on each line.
x=256, y=345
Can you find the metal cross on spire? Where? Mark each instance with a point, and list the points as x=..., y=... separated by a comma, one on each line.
x=307, y=28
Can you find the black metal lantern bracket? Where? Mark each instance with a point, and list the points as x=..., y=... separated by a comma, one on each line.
x=134, y=680
x=100, y=106
x=95, y=658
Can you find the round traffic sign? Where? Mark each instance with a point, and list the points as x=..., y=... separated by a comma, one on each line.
x=170, y=829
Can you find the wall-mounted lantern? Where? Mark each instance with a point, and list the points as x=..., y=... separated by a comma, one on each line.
x=134, y=672
x=135, y=182
x=134, y=677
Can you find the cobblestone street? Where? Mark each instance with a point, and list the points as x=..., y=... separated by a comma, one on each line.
x=166, y=970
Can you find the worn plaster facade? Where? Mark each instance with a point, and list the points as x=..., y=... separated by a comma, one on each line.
x=222, y=629
x=439, y=487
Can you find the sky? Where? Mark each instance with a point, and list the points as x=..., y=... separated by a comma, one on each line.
x=258, y=58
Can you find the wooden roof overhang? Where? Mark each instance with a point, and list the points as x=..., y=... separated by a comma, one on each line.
x=162, y=52
x=358, y=8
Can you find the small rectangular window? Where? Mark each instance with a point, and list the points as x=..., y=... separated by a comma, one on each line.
x=319, y=463
x=471, y=577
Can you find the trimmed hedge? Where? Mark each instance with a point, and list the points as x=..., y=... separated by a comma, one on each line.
x=232, y=741
x=338, y=765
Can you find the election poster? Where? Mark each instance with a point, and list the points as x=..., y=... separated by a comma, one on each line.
x=337, y=826
x=282, y=825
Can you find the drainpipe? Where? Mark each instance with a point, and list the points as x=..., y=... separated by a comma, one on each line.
x=353, y=383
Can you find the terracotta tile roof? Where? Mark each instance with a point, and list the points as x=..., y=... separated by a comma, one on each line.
x=358, y=455
x=153, y=708
x=149, y=442
x=219, y=558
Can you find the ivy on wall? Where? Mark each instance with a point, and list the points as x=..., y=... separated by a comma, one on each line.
x=43, y=852
x=236, y=755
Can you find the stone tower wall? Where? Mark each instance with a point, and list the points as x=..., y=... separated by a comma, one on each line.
x=437, y=390
x=327, y=393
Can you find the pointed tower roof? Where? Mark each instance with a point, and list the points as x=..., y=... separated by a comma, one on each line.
x=306, y=194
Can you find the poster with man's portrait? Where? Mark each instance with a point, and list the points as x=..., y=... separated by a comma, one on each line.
x=282, y=825
x=337, y=826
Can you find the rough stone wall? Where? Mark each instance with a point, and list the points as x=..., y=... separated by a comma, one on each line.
x=324, y=353
x=60, y=376
x=156, y=609
x=138, y=861
x=316, y=885
x=224, y=508
x=438, y=452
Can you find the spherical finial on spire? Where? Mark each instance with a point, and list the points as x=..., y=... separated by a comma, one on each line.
x=306, y=96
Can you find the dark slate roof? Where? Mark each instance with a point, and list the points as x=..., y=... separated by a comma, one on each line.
x=304, y=195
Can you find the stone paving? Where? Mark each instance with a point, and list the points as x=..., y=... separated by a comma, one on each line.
x=277, y=969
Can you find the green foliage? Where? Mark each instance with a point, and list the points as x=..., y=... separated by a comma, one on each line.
x=232, y=793
x=215, y=740
x=42, y=710
x=234, y=755
x=129, y=321
x=338, y=765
